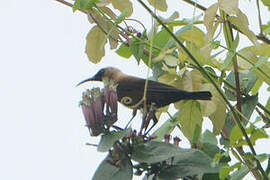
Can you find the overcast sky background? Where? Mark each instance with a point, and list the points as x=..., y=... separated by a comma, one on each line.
x=42, y=58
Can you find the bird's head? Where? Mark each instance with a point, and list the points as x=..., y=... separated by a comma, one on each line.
x=110, y=73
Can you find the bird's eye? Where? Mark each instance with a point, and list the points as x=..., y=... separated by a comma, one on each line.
x=101, y=72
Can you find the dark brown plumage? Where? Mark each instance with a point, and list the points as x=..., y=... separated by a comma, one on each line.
x=130, y=90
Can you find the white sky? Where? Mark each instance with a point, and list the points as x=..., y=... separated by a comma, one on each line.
x=42, y=58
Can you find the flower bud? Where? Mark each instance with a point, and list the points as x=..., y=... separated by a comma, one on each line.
x=176, y=141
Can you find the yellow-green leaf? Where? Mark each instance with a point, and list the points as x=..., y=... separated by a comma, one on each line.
x=122, y=5
x=229, y=6
x=171, y=60
x=216, y=108
x=194, y=35
x=251, y=60
x=167, y=78
x=209, y=18
x=189, y=117
x=111, y=31
x=159, y=4
x=94, y=41
x=241, y=22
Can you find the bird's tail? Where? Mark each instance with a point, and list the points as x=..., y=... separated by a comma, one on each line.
x=200, y=95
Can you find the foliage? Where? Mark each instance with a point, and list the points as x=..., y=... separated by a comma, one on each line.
x=183, y=54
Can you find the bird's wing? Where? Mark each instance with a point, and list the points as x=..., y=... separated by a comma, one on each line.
x=157, y=93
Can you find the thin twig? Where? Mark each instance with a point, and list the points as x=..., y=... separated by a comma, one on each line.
x=259, y=16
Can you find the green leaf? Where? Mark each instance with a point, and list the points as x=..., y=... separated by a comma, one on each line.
x=124, y=51
x=189, y=164
x=193, y=34
x=230, y=55
x=209, y=137
x=154, y=151
x=121, y=17
x=258, y=134
x=241, y=22
x=209, y=143
x=108, y=140
x=229, y=6
x=159, y=4
x=84, y=4
x=196, y=134
x=240, y=173
x=255, y=89
x=247, y=81
x=162, y=38
x=236, y=135
x=123, y=5
x=248, y=105
x=211, y=176
x=190, y=116
x=186, y=162
x=262, y=61
x=94, y=41
x=107, y=171
x=209, y=19
x=137, y=48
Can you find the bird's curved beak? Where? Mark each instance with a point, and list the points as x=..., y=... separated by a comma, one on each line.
x=86, y=80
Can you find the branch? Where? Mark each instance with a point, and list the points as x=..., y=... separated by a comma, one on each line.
x=259, y=17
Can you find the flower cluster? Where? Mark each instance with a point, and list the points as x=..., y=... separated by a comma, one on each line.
x=93, y=102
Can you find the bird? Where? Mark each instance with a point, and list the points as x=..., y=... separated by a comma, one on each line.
x=131, y=91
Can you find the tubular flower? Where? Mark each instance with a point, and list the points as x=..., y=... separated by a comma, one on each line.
x=92, y=106
x=110, y=98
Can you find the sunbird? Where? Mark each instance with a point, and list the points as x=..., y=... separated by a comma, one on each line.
x=132, y=93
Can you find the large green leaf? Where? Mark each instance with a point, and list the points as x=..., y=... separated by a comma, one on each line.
x=162, y=38
x=108, y=140
x=107, y=171
x=155, y=151
x=209, y=143
x=189, y=117
x=95, y=44
x=190, y=163
x=192, y=34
